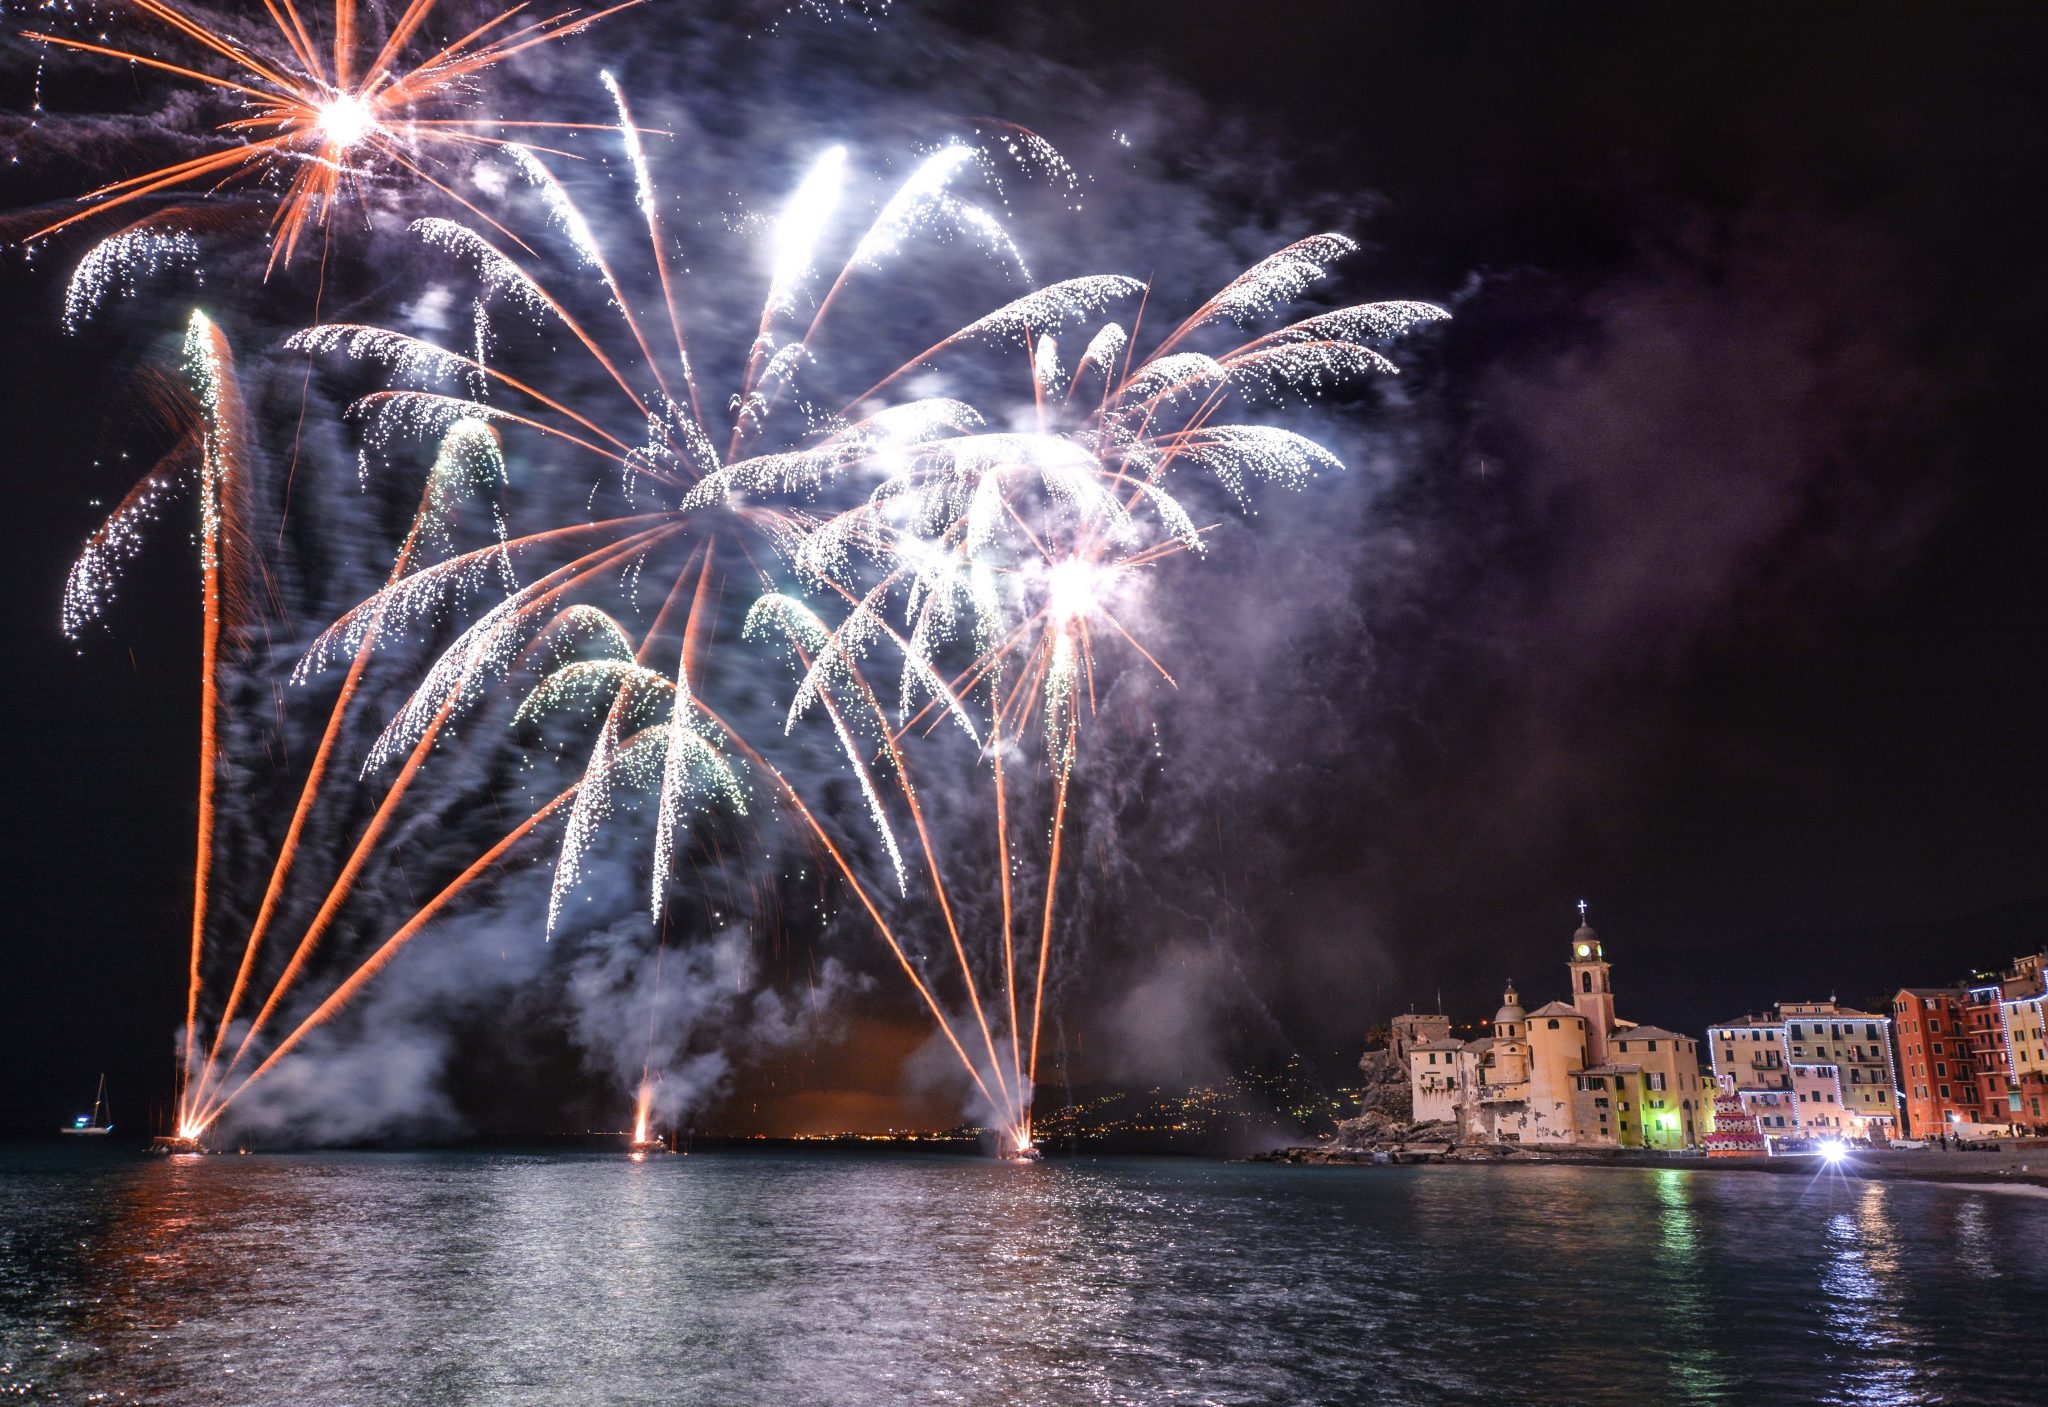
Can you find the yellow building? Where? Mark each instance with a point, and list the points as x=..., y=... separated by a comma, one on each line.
x=1567, y=1074
x=1811, y=1071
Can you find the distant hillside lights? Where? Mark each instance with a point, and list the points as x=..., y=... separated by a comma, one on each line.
x=1564, y=1075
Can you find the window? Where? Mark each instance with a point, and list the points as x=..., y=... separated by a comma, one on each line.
x=1552, y=1023
x=1944, y=1091
x=1586, y=981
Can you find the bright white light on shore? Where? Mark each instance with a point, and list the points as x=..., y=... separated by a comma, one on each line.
x=1832, y=1152
x=346, y=119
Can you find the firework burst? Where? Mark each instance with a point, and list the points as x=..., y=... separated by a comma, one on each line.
x=325, y=101
x=991, y=562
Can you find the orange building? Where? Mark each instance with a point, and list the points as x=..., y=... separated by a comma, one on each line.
x=1974, y=1058
x=1936, y=1067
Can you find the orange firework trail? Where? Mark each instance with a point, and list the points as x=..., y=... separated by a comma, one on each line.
x=322, y=106
x=220, y=467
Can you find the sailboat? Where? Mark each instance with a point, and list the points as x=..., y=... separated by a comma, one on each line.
x=90, y=1123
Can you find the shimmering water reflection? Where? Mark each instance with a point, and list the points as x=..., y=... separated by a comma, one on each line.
x=858, y=1278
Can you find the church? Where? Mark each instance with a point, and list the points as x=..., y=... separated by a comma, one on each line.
x=1568, y=1074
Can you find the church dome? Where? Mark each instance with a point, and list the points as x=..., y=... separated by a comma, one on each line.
x=1585, y=934
x=1511, y=1008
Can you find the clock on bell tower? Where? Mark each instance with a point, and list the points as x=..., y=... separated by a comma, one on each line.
x=1592, y=991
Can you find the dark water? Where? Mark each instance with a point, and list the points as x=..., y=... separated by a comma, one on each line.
x=850, y=1278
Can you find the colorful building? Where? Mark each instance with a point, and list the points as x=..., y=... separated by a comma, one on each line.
x=2024, y=1007
x=1808, y=1071
x=1566, y=1074
x=1973, y=1058
x=1937, y=1074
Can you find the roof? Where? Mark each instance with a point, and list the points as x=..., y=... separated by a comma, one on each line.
x=1484, y=1043
x=1437, y=1045
x=1649, y=1033
x=1556, y=1009
x=1931, y=991
x=1610, y=1069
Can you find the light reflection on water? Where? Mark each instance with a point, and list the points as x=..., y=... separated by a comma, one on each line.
x=856, y=1278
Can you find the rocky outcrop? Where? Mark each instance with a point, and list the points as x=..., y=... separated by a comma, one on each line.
x=1386, y=1111
x=1386, y=1095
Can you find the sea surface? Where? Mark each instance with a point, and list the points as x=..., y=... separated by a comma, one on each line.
x=858, y=1277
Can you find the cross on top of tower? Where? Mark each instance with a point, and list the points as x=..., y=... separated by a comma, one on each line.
x=1582, y=911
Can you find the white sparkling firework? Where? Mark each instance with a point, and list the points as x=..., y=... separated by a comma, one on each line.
x=1277, y=280
x=117, y=268
x=562, y=211
x=1103, y=352
x=89, y=588
x=804, y=633
x=1045, y=365
x=409, y=359
x=693, y=772
x=90, y=585
x=1170, y=379
x=801, y=225
x=206, y=365
x=1046, y=309
x=636, y=155
x=1266, y=453
x=501, y=277
x=1304, y=369
x=924, y=204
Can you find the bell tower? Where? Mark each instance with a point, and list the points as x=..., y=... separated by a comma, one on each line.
x=1592, y=990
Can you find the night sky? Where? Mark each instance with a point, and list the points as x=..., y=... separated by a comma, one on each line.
x=1709, y=586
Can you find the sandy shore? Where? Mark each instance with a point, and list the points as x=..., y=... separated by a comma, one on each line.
x=2019, y=1169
